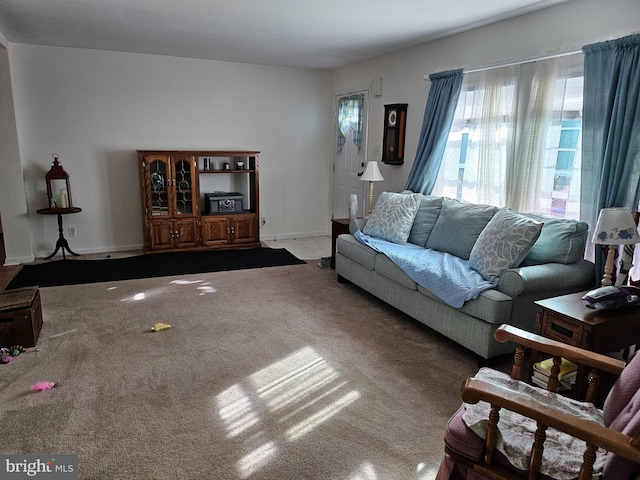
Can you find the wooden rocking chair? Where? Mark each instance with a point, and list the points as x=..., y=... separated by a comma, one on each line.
x=610, y=442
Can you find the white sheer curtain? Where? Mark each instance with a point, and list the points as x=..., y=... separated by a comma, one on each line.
x=495, y=148
x=545, y=174
x=481, y=138
x=515, y=139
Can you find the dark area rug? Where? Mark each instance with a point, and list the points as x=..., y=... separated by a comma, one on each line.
x=73, y=272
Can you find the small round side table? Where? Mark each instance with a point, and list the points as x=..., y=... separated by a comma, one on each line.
x=62, y=243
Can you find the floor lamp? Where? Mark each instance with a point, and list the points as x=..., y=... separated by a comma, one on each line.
x=615, y=227
x=371, y=174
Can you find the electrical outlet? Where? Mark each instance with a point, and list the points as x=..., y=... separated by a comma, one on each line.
x=73, y=232
x=376, y=150
x=263, y=220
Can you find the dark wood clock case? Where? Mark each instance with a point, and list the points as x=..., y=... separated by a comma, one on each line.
x=395, y=119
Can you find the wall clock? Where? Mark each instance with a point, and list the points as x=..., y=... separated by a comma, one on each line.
x=395, y=117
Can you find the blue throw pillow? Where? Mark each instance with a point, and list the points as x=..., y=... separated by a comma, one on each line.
x=426, y=217
x=458, y=227
x=561, y=240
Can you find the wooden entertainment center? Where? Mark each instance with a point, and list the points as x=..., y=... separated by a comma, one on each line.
x=175, y=215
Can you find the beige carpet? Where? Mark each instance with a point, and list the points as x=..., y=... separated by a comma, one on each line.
x=274, y=373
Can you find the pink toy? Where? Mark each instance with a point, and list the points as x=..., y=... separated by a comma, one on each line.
x=42, y=386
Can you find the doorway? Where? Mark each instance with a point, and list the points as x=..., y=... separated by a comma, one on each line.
x=352, y=114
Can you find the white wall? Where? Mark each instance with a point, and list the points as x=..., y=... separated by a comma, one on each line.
x=563, y=28
x=96, y=108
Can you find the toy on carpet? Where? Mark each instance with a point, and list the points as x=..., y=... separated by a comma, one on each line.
x=42, y=386
x=158, y=327
x=9, y=353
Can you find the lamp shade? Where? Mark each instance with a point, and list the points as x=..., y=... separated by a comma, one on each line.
x=372, y=173
x=615, y=227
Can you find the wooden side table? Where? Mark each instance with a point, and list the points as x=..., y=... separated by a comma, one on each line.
x=338, y=227
x=61, y=243
x=567, y=320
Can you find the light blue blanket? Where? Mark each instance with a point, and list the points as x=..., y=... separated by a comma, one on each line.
x=445, y=275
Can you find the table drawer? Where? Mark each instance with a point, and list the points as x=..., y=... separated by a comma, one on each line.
x=560, y=329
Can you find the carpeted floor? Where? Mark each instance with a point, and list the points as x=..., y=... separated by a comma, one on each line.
x=272, y=374
x=76, y=271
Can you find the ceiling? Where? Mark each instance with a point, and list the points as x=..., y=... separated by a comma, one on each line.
x=302, y=33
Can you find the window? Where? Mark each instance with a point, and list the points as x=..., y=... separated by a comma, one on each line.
x=350, y=119
x=516, y=136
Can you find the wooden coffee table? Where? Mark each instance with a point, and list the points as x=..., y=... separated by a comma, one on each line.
x=567, y=320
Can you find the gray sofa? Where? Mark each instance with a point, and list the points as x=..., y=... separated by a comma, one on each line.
x=553, y=265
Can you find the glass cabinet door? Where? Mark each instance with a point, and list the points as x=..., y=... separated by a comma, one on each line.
x=184, y=175
x=158, y=182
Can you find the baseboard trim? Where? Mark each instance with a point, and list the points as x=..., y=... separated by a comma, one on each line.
x=292, y=236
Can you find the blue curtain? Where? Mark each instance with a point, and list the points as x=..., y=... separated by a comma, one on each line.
x=438, y=116
x=611, y=129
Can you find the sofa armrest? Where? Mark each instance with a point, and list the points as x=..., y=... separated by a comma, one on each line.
x=356, y=224
x=548, y=277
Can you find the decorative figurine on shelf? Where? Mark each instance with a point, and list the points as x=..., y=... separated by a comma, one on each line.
x=58, y=188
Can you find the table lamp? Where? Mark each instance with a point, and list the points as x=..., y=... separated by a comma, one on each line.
x=371, y=174
x=615, y=227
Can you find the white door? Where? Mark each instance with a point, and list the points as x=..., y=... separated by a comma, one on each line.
x=349, y=161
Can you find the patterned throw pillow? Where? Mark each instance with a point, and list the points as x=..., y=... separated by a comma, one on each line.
x=392, y=217
x=504, y=243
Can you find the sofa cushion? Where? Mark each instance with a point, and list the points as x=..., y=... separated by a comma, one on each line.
x=561, y=240
x=392, y=217
x=356, y=251
x=458, y=227
x=491, y=306
x=503, y=244
x=385, y=267
x=425, y=219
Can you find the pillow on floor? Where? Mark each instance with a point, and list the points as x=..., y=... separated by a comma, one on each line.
x=504, y=243
x=392, y=217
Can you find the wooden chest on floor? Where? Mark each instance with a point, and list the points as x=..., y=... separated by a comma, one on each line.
x=20, y=317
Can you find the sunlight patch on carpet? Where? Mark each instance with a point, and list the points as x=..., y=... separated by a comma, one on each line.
x=254, y=461
x=236, y=411
x=291, y=386
x=366, y=471
x=200, y=285
x=284, y=401
x=313, y=421
x=425, y=472
x=317, y=399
